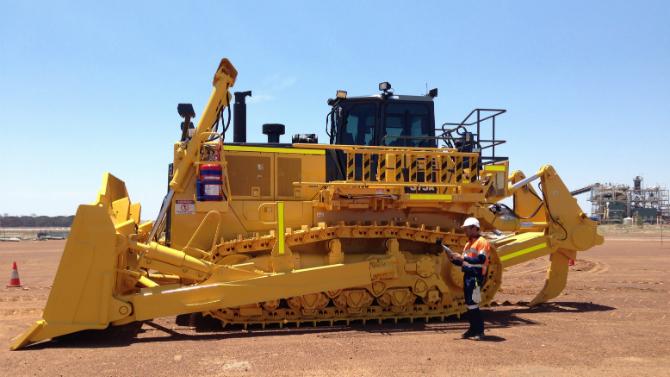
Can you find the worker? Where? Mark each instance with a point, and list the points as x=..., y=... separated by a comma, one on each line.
x=473, y=262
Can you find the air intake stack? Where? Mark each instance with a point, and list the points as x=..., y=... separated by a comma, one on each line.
x=274, y=131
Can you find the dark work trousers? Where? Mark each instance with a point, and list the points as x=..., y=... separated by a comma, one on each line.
x=474, y=314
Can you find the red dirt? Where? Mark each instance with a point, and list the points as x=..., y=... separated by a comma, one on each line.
x=612, y=320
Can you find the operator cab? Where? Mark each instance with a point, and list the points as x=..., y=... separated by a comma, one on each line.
x=383, y=119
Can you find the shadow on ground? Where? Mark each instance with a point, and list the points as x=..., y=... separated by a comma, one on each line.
x=206, y=328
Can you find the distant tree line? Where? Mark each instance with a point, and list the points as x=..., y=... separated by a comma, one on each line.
x=34, y=221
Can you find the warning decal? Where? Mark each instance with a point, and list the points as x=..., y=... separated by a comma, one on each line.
x=184, y=207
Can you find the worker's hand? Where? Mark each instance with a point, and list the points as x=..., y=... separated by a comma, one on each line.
x=438, y=246
x=451, y=254
x=438, y=242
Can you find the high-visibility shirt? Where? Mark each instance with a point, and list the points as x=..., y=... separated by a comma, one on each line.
x=476, y=255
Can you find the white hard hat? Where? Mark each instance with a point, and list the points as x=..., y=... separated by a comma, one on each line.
x=470, y=221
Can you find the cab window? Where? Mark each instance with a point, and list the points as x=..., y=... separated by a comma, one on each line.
x=359, y=125
x=407, y=124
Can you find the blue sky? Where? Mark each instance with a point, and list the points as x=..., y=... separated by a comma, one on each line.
x=88, y=87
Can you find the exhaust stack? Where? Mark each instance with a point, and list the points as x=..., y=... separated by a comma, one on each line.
x=240, y=117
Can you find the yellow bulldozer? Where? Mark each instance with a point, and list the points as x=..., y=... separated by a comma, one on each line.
x=307, y=233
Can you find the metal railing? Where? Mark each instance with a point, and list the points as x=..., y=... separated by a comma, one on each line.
x=460, y=136
x=406, y=166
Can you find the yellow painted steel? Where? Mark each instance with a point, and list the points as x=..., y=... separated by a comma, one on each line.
x=525, y=251
x=185, y=156
x=177, y=258
x=281, y=228
x=557, y=277
x=433, y=197
x=87, y=292
x=351, y=167
x=213, y=294
x=366, y=167
x=241, y=148
x=287, y=245
x=82, y=294
x=495, y=167
x=145, y=281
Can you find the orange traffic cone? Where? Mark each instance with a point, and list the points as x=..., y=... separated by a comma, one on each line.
x=14, y=281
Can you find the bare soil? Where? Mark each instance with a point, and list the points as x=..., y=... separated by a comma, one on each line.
x=612, y=320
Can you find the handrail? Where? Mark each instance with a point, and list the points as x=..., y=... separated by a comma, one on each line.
x=381, y=149
x=481, y=115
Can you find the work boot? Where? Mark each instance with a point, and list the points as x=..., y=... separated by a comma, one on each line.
x=477, y=322
x=467, y=334
x=472, y=329
x=477, y=337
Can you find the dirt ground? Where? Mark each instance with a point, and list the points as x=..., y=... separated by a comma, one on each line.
x=612, y=320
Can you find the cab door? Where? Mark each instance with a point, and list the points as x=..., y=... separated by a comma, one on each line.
x=408, y=124
x=357, y=124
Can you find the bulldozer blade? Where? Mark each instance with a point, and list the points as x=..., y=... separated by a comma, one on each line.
x=81, y=297
x=557, y=277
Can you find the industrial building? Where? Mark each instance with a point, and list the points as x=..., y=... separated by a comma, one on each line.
x=612, y=203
